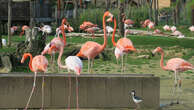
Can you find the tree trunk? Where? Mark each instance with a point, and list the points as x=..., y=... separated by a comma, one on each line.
x=192, y=12
x=150, y=10
x=177, y=9
x=75, y=2
x=32, y=13
x=121, y=24
x=95, y=3
x=155, y=12
x=9, y=21
x=107, y=4
x=58, y=13
x=174, y=17
x=34, y=43
x=62, y=9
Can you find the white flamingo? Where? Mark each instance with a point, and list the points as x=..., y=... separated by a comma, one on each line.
x=176, y=33
x=166, y=28
x=109, y=30
x=173, y=28
x=191, y=28
x=4, y=42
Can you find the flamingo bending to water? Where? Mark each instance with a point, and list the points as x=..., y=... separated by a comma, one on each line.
x=91, y=49
x=127, y=22
x=176, y=65
x=37, y=64
x=24, y=27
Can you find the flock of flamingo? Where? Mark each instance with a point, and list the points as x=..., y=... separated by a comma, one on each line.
x=91, y=49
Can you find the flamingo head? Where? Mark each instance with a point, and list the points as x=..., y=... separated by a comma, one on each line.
x=24, y=57
x=158, y=49
x=64, y=21
x=110, y=15
x=25, y=27
x=14, y=28
x=70, y=29
x=131, y=48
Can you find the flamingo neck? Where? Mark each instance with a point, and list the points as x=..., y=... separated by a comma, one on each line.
x=104, y=29
x=63, y=33
x=162, y=61
x=30, y=63
x=113, y=35
x=59, y=58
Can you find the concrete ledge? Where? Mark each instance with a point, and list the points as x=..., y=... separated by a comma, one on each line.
x=95, y=90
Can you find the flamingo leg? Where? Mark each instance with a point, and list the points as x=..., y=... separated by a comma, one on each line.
x=92, y=63
x=69, y=97
x=179, y=88
x=93, y=35
x=174, y=91
x=122, y=69
x=34, y=85
x=52, y=63
x=89, y=65
x=42, y=92
x=77, y=93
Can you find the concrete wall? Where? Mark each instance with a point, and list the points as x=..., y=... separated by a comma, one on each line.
x=95, y=91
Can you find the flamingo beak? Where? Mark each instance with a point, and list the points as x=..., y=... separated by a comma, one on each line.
x=153, y=53
x=111, y=18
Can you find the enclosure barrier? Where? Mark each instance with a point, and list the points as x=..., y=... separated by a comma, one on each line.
x=95, y=90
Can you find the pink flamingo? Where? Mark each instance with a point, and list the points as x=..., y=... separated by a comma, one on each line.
x=127, y=22
x=145, y=23
x=92, y=30
x=37, y=64
x=57, y=42
x=173, y=28
x=176, y=65
x=87, y=24
x=124, y=44
x=24, y=27
x=91, y=49
x=166, y=28
x=151, y=25
x=13, y=29
x=191, y=28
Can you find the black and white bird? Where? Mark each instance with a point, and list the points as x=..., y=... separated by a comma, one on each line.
x=136, y=99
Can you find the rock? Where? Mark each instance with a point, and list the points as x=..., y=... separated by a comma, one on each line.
x=6, y=65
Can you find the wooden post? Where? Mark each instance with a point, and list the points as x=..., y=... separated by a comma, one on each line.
x=155, y=12
x=32, y=13
x=75, y=3
x=150, y=10
x=9, y=21
x=121, y=11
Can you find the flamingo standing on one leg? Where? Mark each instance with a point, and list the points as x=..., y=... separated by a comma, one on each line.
x=91, y=49
x=124, y=44
x=37, y=64
x=175, y=64
x=24, y=27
